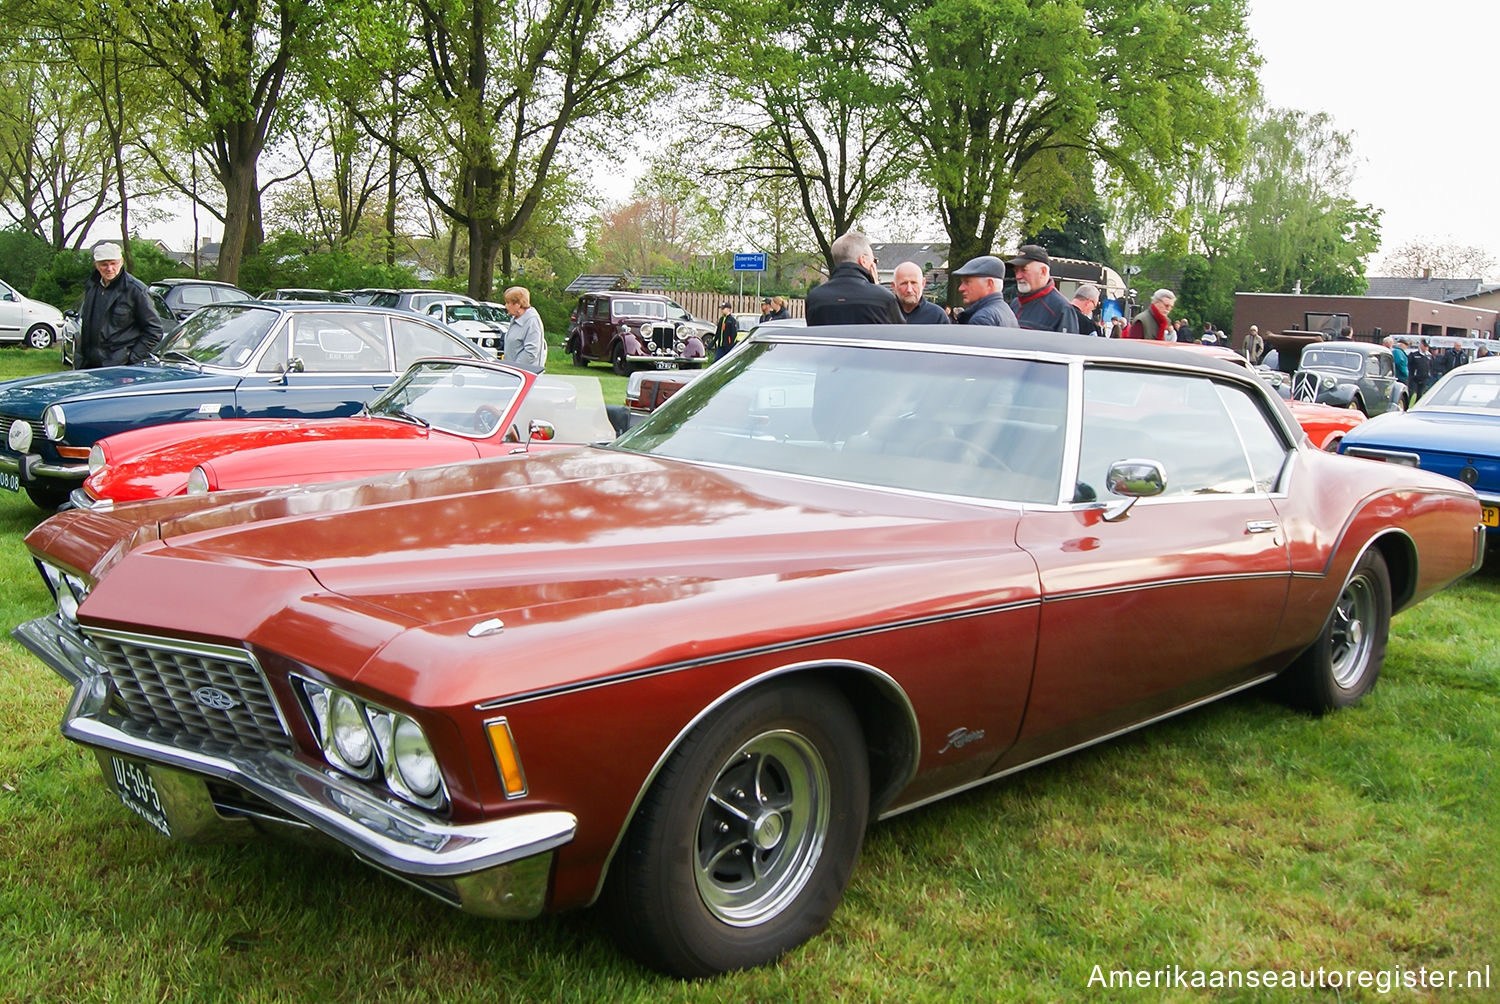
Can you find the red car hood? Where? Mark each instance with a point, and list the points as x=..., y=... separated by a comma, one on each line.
x=154, y=462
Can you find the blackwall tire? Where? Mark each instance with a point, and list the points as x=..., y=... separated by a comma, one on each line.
x=1344, y=663
x=620, y=363
x=39, y=337
x=743, y=846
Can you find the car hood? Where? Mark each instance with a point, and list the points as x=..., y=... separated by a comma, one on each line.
x=28, y=397
x=141, y=458
x=1431, y=429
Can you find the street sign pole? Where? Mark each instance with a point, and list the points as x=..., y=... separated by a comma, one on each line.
x=752, y=261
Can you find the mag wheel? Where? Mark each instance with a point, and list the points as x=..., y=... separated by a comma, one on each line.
x=1343, y=664
x=744, y=844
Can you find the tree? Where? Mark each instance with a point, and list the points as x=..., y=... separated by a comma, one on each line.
x=1042, y=96
x=1443, y=258
x=503, y=125
x=807, y=107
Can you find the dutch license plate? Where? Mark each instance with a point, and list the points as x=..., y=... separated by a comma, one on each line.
x=1491, y=515
x=138, y=792
x=665, y=364
x=10, y=481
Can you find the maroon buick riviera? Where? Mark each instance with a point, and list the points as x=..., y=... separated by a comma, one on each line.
x=846, y=572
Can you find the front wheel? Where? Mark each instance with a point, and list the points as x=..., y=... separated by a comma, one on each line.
x=1343, y=664
x=47, y=497
x=620, y=363
x=39, y=337
x=743, y=846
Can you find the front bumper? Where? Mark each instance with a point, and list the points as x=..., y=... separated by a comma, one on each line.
x=497, y=868
x=31, y=468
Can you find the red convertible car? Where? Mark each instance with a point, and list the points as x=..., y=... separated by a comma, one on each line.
x=848, y=571
x=440, y=411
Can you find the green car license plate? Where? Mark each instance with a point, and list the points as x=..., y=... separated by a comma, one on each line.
x=138, y=791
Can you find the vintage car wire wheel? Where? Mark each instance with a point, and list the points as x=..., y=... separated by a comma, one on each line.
x=744, y=844
x=1344, y=663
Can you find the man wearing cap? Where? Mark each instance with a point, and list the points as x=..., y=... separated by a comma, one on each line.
x=765, y=309
x=1039, y=305
x=726, y=333
x=980, y=285
x=117, y=325
x=908, y=282
x=852, y=295
x=1085, y=302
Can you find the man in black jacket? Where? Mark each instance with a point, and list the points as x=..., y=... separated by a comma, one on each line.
x=852, y=294
x=118, y=325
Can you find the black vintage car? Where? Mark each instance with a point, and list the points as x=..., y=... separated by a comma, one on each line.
x=1343, y=373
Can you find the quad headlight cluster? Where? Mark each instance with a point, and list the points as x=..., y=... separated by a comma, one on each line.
x=67, y=588
x=374, y=744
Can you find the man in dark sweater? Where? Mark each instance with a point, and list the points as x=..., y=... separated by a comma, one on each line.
x=851, y=295
x=1039, y=306
x=908, y=283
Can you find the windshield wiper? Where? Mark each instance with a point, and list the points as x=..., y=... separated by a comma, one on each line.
x=182, y=356
x=414, y=419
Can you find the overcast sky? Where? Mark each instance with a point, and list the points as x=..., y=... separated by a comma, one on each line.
x=1416, y=84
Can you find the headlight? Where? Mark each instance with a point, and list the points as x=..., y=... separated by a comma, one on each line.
x=374, y=744
x=54, y=423
x=414, y=758
x=1329, y=382
x=96, y=458
x=197, y=481
x=349, y=731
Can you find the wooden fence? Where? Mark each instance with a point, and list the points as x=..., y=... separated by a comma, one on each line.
x=706, y=305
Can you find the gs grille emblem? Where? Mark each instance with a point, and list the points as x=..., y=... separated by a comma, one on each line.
x=214, y=698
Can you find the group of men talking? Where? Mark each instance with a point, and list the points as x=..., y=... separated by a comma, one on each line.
x=853, y=294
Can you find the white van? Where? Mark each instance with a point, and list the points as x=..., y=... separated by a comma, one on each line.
x=31, y=322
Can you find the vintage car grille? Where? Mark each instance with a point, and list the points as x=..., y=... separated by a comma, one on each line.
x=37, y=435
x=206, y=691
x=664, y=338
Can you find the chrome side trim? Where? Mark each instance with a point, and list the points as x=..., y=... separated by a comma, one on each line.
x=1220, y=695
x=744, y=653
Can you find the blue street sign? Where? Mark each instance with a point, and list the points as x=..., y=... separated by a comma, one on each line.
x=755, y=262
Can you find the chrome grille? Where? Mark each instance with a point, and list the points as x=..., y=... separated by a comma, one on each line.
x=206, y=691
x=37, y=435
x=664, y=338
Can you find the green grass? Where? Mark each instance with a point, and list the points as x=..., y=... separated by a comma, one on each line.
x=1241, y=836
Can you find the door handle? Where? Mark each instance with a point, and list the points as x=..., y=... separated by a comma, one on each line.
x=1261, y=526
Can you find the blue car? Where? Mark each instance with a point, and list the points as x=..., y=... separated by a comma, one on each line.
x=233, y=360
x=1454, y=429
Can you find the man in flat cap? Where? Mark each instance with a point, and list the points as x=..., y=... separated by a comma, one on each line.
x=980, y=285
x=1038, y=304
x=118, y=325
x=852, y=294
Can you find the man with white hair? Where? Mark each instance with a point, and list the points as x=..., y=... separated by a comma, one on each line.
x=852, y=294
x=118, y=324
x=1038, y=305
x=1085, y=302
x=908, y=283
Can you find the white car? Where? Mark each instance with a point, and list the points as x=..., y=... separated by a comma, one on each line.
x=31, y=322
x=484, y=324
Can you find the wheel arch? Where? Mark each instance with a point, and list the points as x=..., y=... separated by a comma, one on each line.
x=883, y=709
x=1400, y=554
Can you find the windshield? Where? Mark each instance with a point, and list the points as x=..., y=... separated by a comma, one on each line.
x=573, y=405
x=639, y=308
x=465, y=400
x=1466, y=391
x=1333, y=359
x=927, y=421
x=226, y=335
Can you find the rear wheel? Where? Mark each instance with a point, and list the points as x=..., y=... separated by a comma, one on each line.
x=39, y=337
x=1343, y=664
x=743, y=846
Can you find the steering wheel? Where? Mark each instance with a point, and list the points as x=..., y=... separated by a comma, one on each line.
x=487, y=417
x=972, y=452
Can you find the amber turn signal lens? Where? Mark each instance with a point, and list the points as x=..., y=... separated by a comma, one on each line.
x=506, y=757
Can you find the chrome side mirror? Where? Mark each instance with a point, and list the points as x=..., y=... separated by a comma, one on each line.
x=1135, y=479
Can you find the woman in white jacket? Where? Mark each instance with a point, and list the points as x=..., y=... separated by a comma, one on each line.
x=525, y=343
